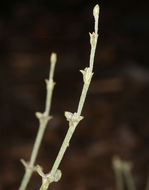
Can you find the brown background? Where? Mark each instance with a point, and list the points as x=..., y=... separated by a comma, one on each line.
x=117, y=107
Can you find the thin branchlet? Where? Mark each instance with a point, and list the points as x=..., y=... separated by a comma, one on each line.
x=43, y=120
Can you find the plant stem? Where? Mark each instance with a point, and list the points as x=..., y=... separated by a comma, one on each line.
x=123, y=169
x=72, y=128
x=128, y=176
x=117, y=166
x=119, y=179
x=43, y=120
x=82, y=98
x=75, y=118
x=62, y=150
x=25, y=179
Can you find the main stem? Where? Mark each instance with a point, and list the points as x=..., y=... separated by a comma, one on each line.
x=69, y=133
x=87, y=81
x=62, y=150
x=43, y=123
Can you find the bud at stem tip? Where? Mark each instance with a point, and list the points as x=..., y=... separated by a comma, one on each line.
x=53, y=58
x=96, y=11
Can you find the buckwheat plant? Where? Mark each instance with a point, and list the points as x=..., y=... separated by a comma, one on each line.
x=73, y=118
x=43, y=120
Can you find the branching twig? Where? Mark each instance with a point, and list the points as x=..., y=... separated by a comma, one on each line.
x=43, y=120
x=73, y=118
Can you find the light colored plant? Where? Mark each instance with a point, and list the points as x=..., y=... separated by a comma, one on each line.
x=73, y=118
x=123, y=174
x=43, y=120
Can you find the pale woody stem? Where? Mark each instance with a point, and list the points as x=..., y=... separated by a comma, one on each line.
x=44, y=123
x=86, y=85
x=25, y=180
x=119, y=178
x=129, y=179
x=82, y=98
x=29, y=169
x=123, y=174
x=91, y=62
x=37, y=144
x=49, y=91
x=92, y=55
x=69, y=132
x=96, y=26
x=62, y=150
x=79, y=110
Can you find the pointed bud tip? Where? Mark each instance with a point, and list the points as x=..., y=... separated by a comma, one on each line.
x=96, y=10
x=53, y=57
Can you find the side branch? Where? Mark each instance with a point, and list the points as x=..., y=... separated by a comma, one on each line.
x=43, y=120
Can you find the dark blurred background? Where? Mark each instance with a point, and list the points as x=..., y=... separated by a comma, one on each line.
x=117, y=106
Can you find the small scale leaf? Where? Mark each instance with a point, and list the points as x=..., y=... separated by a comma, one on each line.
x=39, y=171
x=68, y=115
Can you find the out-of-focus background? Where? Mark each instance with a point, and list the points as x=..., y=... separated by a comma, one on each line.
x=117, y=107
